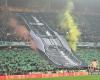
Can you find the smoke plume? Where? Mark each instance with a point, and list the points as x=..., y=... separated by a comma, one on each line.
x=69, y=25
x=21, y=31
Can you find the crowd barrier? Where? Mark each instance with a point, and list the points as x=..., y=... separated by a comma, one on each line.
x=41, y=75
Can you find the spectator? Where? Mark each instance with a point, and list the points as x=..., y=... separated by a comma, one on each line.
x=93, y=65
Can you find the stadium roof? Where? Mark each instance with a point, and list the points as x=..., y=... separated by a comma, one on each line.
x=47, y=5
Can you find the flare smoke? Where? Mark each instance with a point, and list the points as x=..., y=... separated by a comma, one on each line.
x=21, y=31
x=69, y=24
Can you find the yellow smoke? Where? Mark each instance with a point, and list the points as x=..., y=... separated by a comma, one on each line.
x=69, y=24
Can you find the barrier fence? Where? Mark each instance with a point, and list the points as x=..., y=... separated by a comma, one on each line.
x=42, y=75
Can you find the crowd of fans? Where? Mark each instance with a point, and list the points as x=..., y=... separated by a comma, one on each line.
x=25, y=60
x=7, y=35
x=88, y=55
x=22, y=61
x=88, y=25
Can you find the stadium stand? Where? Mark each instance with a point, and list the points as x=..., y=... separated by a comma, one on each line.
x=52, y=42
x=89, y=27
x=88, y=54
x=22, y=61
x=7, y=34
